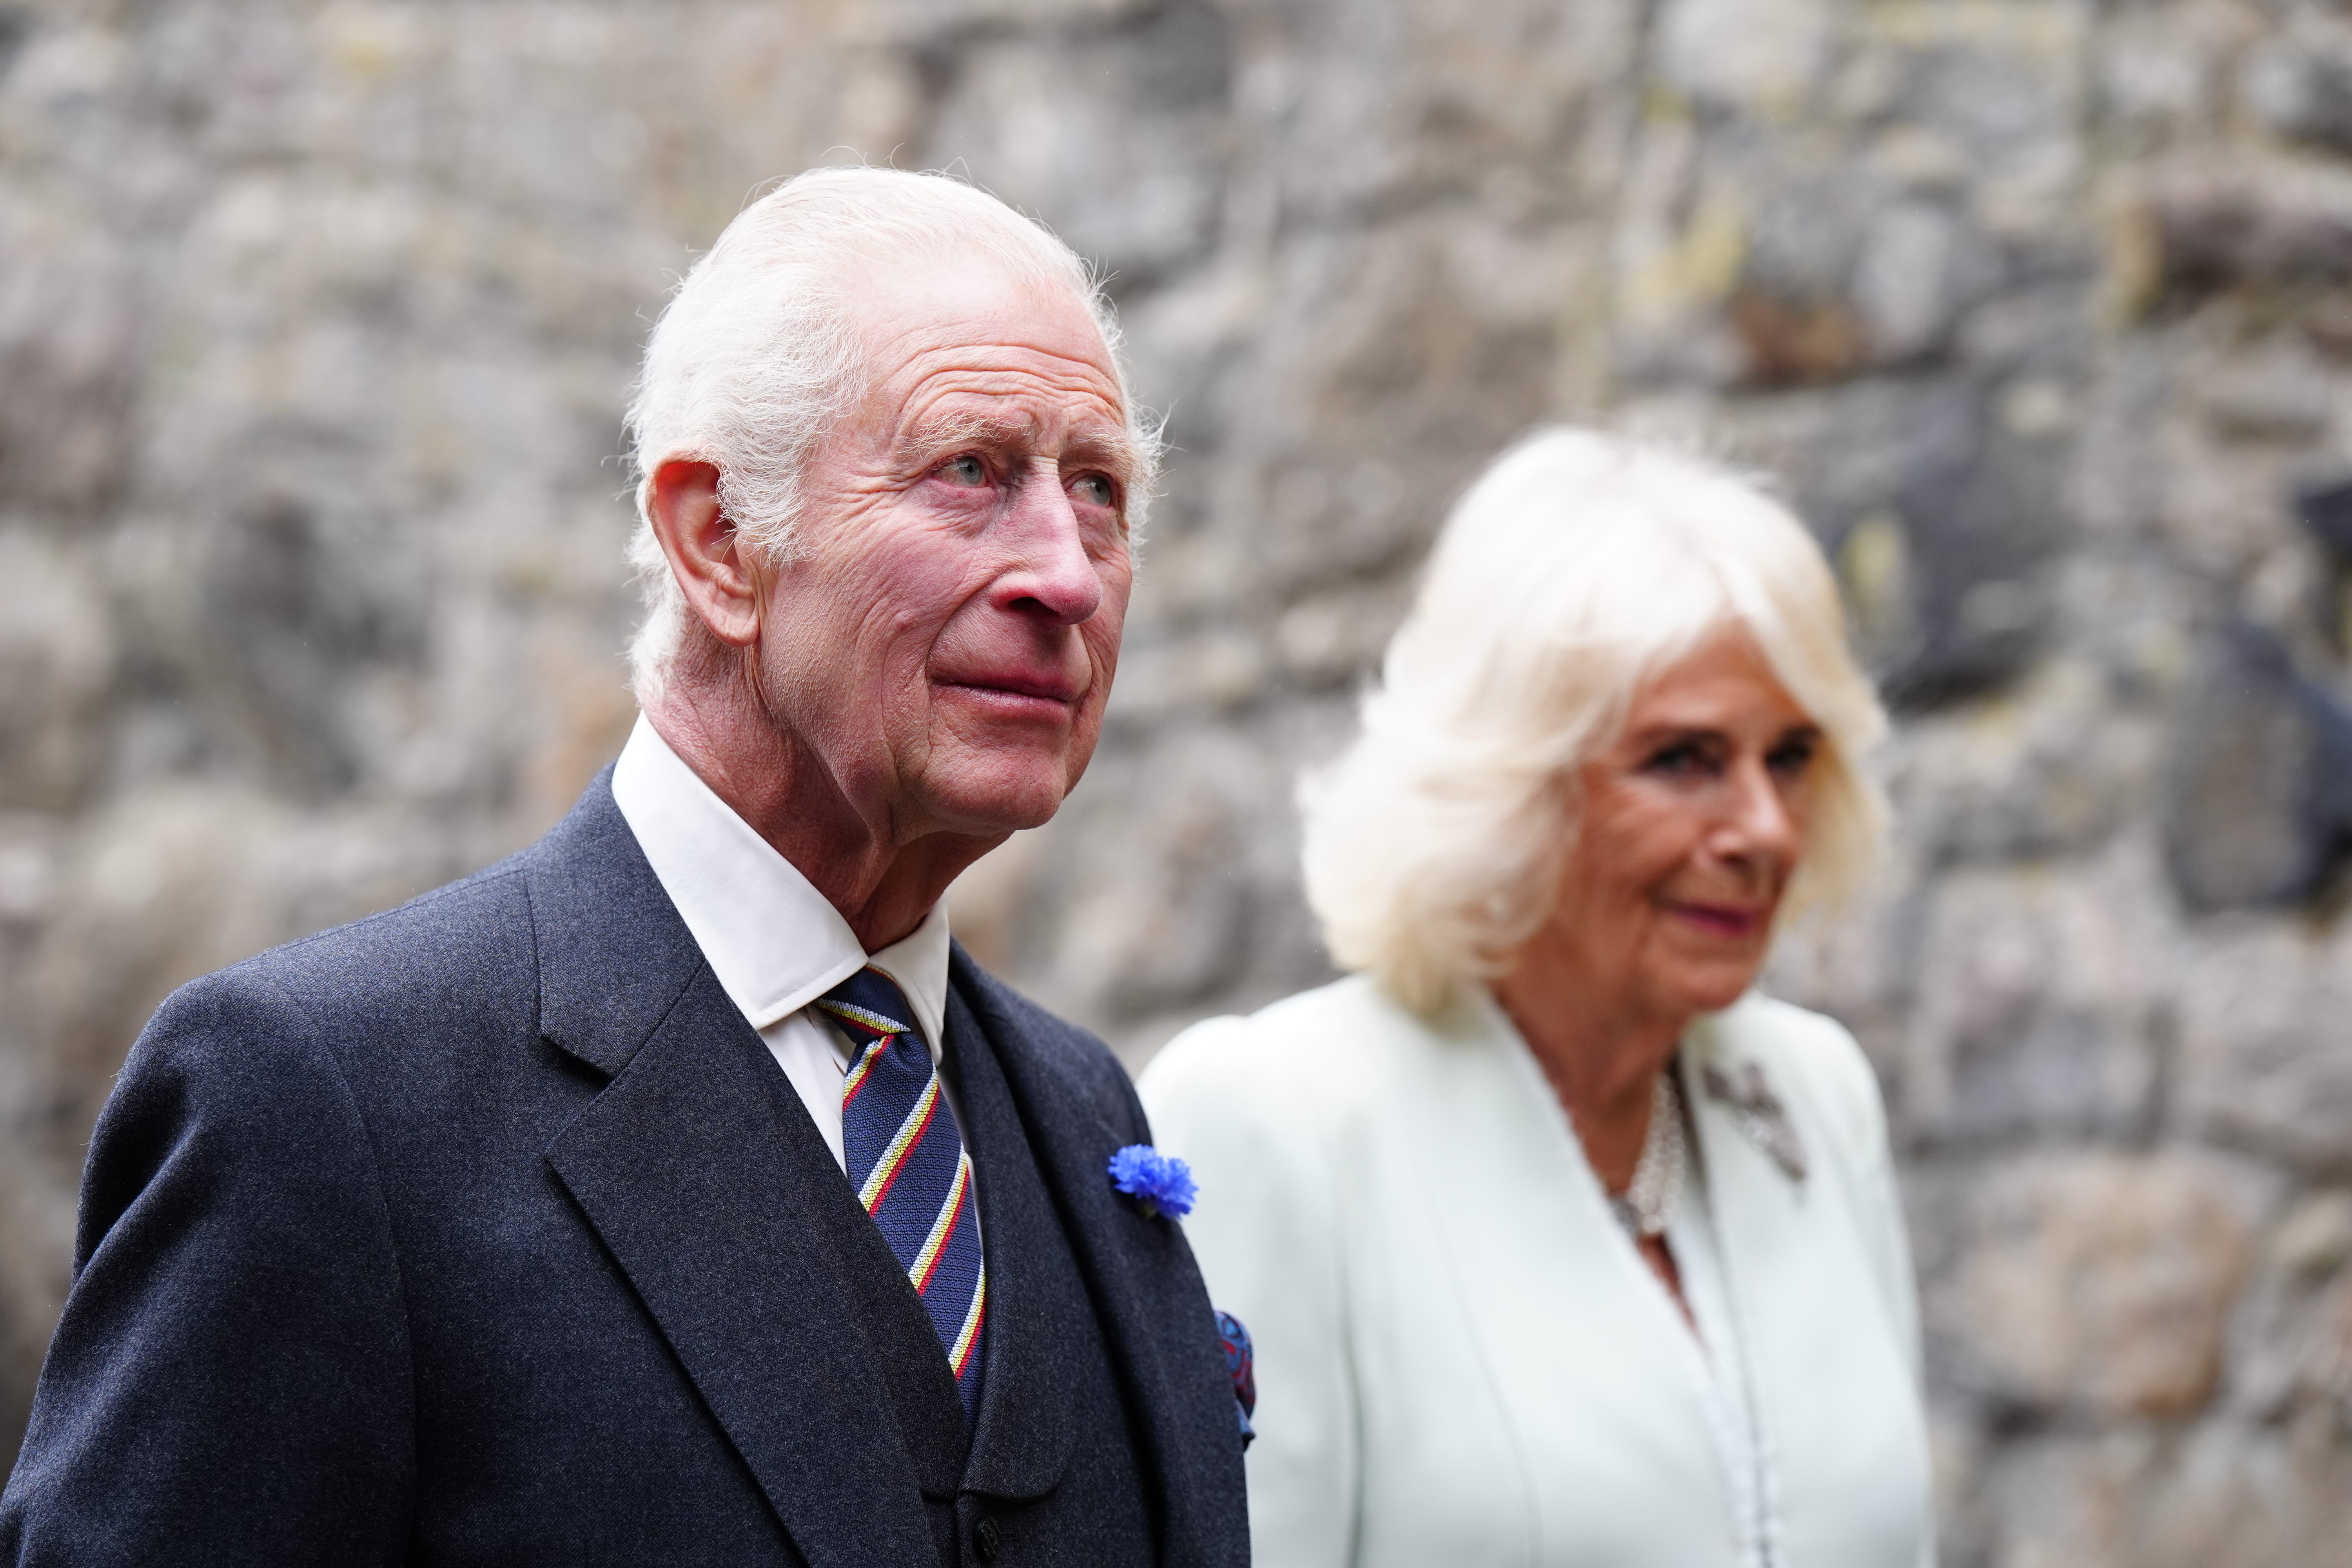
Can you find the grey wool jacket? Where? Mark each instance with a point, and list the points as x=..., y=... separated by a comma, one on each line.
x=487, y=1231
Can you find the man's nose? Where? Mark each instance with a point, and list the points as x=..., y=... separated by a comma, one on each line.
x=1051, y=573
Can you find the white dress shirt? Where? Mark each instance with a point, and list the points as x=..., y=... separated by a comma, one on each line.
x=774, y=943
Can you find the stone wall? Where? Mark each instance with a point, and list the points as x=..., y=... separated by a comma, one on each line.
x=315, y=323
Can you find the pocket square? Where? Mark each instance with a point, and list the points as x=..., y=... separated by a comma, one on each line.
x=1242, y=1366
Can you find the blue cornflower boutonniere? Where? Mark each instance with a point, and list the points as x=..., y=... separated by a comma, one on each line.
x=1160, y=1182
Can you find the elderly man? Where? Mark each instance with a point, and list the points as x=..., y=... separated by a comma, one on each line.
x=676, y=1191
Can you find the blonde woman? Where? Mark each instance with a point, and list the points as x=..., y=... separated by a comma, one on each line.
x=1560, y=1244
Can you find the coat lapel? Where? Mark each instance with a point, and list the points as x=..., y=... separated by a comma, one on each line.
x=1592, y=1371
x=1138, y=1274
x=700, y=1170
x=614, y=956
x=1023, y=1441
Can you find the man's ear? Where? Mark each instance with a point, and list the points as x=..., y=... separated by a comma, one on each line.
x=705, y=552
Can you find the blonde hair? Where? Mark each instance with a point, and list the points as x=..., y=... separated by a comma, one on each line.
x=759, y=353
x=1579, y=566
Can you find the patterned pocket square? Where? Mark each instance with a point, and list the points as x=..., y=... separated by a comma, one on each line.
x=1240, y=1365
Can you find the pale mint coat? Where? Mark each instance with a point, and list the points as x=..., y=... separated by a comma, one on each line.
x=1461, y=1358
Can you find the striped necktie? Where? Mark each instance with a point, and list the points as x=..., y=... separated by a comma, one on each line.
x=908, y=1166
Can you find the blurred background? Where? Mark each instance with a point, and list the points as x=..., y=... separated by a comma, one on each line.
x=316, y=321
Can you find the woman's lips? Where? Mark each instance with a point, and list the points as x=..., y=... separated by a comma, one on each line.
x=1722, y=920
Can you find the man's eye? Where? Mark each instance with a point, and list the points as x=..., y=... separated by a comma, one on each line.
x=965, y=470
x=1094, y=489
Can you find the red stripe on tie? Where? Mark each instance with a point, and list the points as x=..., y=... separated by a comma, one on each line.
x=906, y=1152
x=978, y=1323
x=863, y=1073
x=963, y=1197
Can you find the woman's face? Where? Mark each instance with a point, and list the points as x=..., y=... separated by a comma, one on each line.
x=1693, y=823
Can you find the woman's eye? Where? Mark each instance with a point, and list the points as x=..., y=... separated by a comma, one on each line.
x=966, y=471
x=1675, y=760
x=1792, y=757
x=1093, y=489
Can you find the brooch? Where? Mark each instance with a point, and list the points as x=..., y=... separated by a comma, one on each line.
x=1160, y=1182
x=1756, y=1111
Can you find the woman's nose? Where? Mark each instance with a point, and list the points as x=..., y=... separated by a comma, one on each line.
x=1758, y=823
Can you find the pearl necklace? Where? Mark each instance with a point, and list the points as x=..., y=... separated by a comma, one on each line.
x=1648, y=1204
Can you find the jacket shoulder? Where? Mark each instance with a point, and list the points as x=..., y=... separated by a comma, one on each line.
x=1307, y=1066
x=460, y=944
x=1349, y=1030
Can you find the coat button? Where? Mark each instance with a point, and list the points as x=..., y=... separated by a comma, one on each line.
x=987, y=1540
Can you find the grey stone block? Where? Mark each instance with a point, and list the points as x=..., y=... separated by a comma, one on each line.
x=2038, y=1009
x=2264, y=1063
x=2221, y=224
x=1981, y=512
x=2300, y=82
x=2095, y=1282
x=2258, y=776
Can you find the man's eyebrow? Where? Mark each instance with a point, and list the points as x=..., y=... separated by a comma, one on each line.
x=1109, y=447
x=963, y=427
x=1092, y=444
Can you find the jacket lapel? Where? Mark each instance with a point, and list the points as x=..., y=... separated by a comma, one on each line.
x=614, y=956
x=1026, y=1430
x=700, y=1171
x=1144, y=1289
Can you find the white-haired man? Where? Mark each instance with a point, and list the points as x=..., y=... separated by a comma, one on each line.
x=675, y=1193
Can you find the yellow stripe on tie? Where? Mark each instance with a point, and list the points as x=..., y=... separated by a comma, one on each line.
x=857, y=1014
x=886, y=1168
x=969, y=1334
x=865, y=1066
x=919, y=1271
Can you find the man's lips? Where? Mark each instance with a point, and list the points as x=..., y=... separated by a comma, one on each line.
x=1018, y=692
x=1723, y=920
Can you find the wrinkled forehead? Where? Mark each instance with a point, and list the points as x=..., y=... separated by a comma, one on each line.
x=951, y=344
x=912, y=307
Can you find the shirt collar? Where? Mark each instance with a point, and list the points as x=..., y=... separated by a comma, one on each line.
x=918, y=963
x=774, y=943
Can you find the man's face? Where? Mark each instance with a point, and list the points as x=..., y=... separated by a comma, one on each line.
x=943, y=639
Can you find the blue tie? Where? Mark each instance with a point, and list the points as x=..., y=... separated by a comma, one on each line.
x=908, y=1167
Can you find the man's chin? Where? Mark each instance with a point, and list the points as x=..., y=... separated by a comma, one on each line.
x=1001, y=800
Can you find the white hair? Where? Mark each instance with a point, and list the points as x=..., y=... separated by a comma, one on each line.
x=759, y=352
x=1579, y=566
